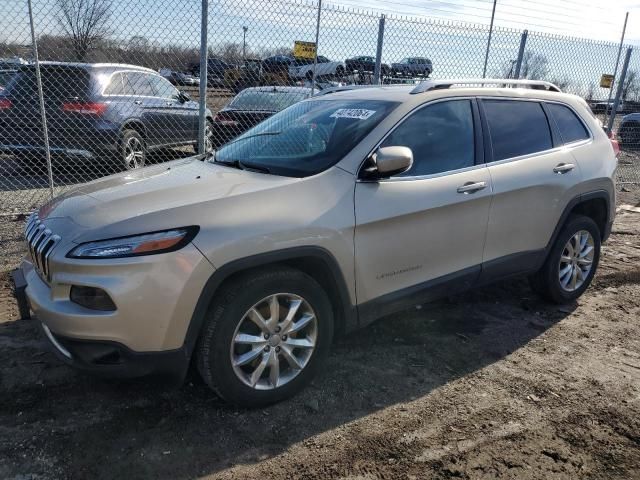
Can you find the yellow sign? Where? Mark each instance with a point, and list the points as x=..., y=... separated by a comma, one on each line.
x=606, y=80
x=304, y=49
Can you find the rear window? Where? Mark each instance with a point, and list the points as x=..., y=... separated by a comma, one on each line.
x=517, y=128
x=570, y=126
x=57, y=83
x=267, y=101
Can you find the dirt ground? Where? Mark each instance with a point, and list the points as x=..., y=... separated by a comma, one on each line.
x=489, y=384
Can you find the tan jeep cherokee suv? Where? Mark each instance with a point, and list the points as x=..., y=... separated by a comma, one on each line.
x=338, y=210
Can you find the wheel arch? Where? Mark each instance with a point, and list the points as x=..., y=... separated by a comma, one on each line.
x=135, y=124
x=595, y=205
x=316, y=262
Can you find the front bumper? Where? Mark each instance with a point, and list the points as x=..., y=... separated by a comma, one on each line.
x=111, y=359
x=155, y=297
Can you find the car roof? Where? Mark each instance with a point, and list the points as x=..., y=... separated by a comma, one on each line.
x=278, y=88
x=94, y=66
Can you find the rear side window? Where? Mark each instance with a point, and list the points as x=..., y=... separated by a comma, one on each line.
x=570, y=126
x=517, y=128
x=138, y=84
x=116, y=85
x=440, y=137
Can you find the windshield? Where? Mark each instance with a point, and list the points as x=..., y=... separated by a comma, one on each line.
x=306, y=138
x=269, y=101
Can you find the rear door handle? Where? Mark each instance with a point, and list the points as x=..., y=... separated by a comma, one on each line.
x=563, y=168
x=472, y=187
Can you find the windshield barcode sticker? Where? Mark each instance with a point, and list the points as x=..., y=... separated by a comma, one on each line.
x=359, y=113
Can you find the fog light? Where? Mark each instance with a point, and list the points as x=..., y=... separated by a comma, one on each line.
x=92, y=298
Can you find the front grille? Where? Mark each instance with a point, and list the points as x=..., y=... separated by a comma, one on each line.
x=40, y=241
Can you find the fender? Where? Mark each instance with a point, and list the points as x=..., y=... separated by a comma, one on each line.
x=348, y=311
x=601, y=194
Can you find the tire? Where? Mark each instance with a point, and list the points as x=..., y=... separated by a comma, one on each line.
x=547, y=281
x=210, y=141
x=129, y=144
x=229, y=316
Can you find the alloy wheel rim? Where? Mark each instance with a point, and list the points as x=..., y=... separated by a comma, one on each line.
x=576, y=261
x=274, y=341
x=134, y=154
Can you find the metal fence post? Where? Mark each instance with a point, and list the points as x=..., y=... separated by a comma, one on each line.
x=315, y=57
x=45, y=131
x=615, y=71
x=377, y=73
x=623, y=74
x=486, y=55
x=523, y=44
x=204, y=66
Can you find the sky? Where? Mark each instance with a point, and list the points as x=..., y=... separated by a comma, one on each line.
x=453, y=33
x=602, y=20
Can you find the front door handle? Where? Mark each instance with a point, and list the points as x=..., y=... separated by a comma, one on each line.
x=472, y=187
x=138, y=102
x=563, y=168
x=169, y=104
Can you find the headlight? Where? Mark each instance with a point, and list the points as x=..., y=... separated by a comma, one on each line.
x=136, y=245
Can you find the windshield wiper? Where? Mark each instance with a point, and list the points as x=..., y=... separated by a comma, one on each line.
x=240, y=165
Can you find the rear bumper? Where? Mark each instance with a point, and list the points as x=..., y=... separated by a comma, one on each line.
x=81, y=144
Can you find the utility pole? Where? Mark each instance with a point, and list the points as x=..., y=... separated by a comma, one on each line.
x=615, y=72
x=244, y=44
x=486, y=55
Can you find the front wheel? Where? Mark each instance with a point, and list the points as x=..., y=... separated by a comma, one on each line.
x=572, y=261
x=266, y=335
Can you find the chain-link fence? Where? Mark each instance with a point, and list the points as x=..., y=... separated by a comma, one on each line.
x=121, y=81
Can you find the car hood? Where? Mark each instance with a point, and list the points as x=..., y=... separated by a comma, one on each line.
x=162, y=191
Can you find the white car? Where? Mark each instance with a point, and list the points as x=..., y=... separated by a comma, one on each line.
x=324, y=68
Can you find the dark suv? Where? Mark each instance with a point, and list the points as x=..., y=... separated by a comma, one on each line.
x=94, y=111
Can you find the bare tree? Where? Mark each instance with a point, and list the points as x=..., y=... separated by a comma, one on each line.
x=138, y=43
x=631, y=86
x=535, y=66
x=563, y=82
x=85, y=22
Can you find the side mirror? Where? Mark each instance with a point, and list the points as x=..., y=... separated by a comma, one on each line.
x=389, y=161
x=183, y=97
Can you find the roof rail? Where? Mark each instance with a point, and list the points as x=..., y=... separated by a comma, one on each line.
x=344, y=88
x=428, y=85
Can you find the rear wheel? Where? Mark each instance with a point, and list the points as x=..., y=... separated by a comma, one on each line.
x=266, y=335
x=572, y=261
x=133, y=153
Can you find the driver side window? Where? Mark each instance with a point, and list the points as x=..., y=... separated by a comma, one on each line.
x=163, y=88
x=440, y=136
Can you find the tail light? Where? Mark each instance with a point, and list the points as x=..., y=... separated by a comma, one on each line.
x=614, y=143
x=5, y=104
x=85, y=108
x=223, y=119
